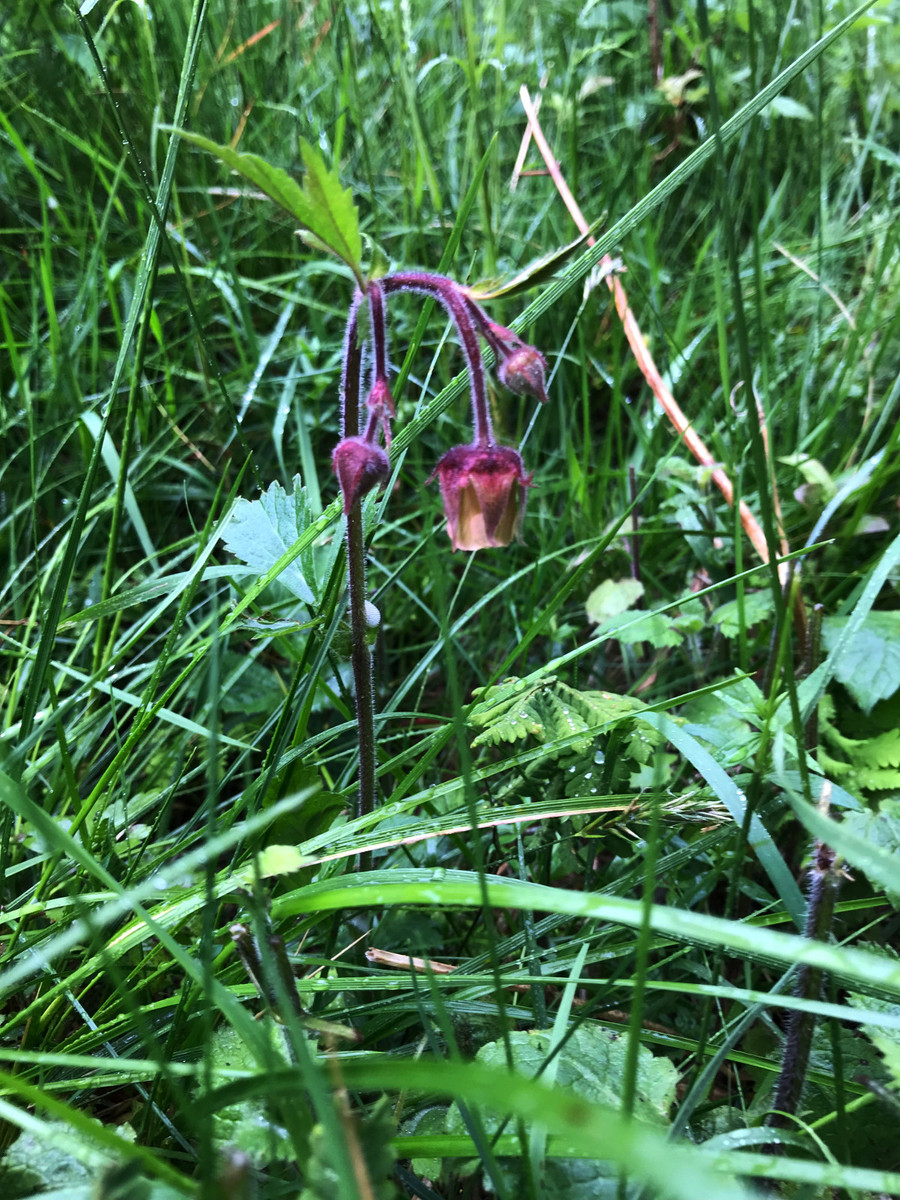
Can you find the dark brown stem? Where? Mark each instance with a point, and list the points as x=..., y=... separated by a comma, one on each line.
x=379, y=331
x=360, y=655
x=810, y=662
x=823, y=885
x=350, y=375
x=361, y=659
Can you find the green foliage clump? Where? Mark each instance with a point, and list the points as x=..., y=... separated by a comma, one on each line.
x=574, y=728
x=592, y=1063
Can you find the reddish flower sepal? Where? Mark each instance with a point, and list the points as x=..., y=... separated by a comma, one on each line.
x=483, y=491
x=359, y=465
x=524, y=372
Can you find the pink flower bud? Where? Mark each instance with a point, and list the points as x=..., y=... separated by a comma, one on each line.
x=359, y=465
x=483, y=492
x=524, y=372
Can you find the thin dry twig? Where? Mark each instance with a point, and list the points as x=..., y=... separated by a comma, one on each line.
x=642, y=355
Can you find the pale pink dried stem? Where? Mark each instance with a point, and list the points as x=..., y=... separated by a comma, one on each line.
x=636, y=341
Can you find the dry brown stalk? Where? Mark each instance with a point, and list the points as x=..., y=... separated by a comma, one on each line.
x=638, y=346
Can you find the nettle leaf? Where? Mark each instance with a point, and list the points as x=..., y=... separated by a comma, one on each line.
x=263, y=530
x=592, y=1064
x=869, y=664
x=320, y=204
x=890, y=1052
x=886, y=1038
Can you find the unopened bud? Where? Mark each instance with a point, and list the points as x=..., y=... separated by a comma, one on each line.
x=524, y=372
x=360, y=465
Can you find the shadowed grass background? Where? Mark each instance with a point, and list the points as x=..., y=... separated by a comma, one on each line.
x=170, y=345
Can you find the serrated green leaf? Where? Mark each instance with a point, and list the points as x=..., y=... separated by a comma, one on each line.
x=658, y=629
x=869, y=841
x=246, y=1124
x=337, y=221
x=869, y=664
x=320, y=205
x=372, y=1138
x=262, y=530
x=890, y=1052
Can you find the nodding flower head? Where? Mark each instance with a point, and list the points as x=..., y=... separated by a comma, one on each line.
x=524, y=372
x=483, y=489
x=359, y=465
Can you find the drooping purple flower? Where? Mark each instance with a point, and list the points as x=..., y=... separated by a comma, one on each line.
x=483, y=489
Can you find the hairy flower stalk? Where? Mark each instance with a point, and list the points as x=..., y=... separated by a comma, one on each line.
x=483, y=485
x=359, y=463
x=824, y=878
x=450, y=297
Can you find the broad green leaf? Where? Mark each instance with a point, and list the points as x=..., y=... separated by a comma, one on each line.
x=890, y=1052
x=282, y=860
x=876, y=846
x=262, y=531
x=611, y=597
x=372, y=1140
x=869, y=841
x=588, y=1129
x=320, y=205
x=784, y=106
x=869, y=664
x=659, y=629
x=757, y=606
x=247, y=1124
x=37, y=1163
